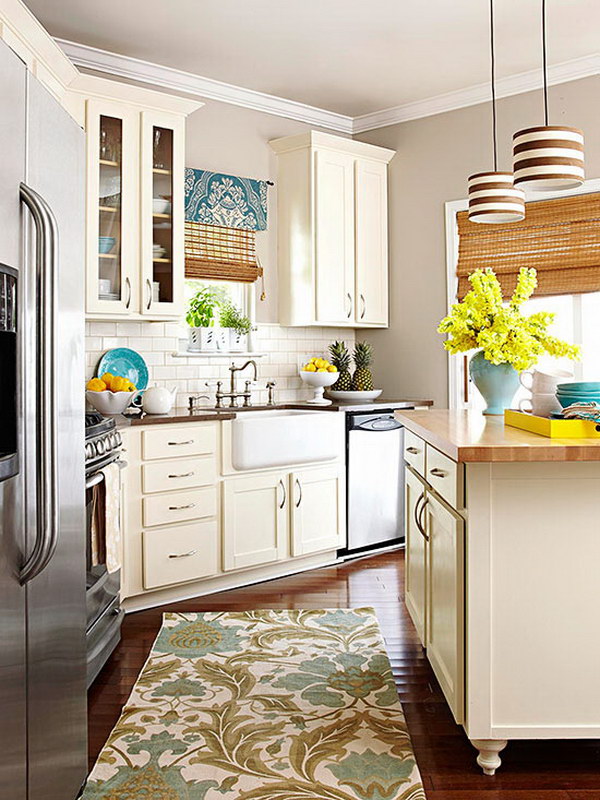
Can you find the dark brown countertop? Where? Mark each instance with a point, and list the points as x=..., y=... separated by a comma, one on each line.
x=175, y=415
x=208, y=414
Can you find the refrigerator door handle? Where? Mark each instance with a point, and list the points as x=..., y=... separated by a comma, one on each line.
x=46, y=261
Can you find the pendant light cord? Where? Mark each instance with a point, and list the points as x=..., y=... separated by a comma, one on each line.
x=493, y=66
x=545, y=62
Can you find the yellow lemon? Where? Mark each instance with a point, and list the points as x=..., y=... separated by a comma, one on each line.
x=322, y=369
x=332, y=368
x=96, y=385
x=107, y=378
x=119, y=384
x=320, y=363
x=310, y=368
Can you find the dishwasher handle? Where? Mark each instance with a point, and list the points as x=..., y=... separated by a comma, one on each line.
x=375, y=424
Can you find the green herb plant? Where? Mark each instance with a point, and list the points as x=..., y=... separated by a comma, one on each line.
x=202, y=308
x=232, y=317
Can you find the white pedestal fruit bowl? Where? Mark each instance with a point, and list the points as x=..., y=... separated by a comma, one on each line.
x=319, y=380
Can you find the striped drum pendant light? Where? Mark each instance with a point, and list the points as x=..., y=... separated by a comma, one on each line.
x=494, y=199
x=492, y=195
x=548, y=157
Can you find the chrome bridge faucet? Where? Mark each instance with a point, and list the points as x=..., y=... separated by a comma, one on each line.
x=232, y=394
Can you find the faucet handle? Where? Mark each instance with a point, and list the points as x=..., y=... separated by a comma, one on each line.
x=270, y=386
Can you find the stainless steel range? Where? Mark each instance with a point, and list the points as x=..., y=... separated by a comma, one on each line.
x=104, y=614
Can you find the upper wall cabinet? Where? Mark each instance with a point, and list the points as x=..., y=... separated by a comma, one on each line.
x=332, y=231
x=135, y=199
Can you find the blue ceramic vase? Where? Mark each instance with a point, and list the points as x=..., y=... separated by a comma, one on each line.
x=497, y=383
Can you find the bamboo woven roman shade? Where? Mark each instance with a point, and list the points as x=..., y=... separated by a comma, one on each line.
x=560, y=238
x=214, y=252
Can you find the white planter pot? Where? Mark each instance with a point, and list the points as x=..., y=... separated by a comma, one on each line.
x=202, y=339
x=238, y=342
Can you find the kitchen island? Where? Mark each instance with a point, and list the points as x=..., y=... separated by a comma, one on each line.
x=503, y=556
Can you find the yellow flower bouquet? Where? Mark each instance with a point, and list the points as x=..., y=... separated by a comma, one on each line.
x=505, y=336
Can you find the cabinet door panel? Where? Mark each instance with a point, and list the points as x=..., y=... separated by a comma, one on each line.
x=255, y=520
x=371, y=243
x=416, y=556
x=318, y=513
x=112, y=208
x=334, y=237
x=445, y=623
x=162, y=214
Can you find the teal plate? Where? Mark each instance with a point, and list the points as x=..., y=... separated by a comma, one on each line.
x=126, y=363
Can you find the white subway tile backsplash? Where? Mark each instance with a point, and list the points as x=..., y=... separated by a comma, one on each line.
x=284, y=349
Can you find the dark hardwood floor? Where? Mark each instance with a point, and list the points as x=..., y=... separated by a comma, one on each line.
x=565, y=770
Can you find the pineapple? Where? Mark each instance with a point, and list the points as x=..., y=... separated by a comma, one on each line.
x=362, y=380
x=340, y=358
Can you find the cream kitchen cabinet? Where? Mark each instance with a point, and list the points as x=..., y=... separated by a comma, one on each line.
x=318, y=514
x=135, y=199
x=194, y=525
x=435, y=563
x=255, y=520
x=332, y=231
x=445, y=640
x=415, y=554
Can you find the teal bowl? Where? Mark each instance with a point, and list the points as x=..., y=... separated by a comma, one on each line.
x=582, y=387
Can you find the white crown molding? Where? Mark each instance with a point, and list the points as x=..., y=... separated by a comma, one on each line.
x=473, y=95
x=177, y=80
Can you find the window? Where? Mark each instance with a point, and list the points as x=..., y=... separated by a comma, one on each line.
x=577, y=315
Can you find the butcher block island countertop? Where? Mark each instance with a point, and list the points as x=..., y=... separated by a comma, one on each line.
x=470, y=437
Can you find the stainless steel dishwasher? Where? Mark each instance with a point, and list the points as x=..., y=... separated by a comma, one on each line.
x=375, y=480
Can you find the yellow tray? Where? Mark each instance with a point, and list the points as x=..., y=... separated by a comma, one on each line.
x=553, y=428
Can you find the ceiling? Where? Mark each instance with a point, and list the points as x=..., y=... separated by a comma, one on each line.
x=348, y=56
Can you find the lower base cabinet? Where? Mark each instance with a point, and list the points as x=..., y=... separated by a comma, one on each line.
x=261, y=511
x=435, y=588
x=445, y=600
x=416, y=555
x=255, y=520
x=318, y=512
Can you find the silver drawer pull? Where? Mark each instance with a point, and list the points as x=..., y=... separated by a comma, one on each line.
x=183, y=555
x=182, y=508
x=182, y=475
x=413, y=450
x=176, y=444
x=437, y=473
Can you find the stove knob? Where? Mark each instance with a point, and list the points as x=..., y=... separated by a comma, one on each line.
x=100, y=449
x=89, y=450
x=118, y=439
x=113, y=441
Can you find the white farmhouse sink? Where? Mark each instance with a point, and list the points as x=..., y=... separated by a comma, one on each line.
x=274, y=438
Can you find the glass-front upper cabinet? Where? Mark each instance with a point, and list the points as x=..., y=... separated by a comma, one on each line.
x=162, y=214
x=112, y=249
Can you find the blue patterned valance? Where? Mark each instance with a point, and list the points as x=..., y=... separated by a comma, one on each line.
x=216, y=199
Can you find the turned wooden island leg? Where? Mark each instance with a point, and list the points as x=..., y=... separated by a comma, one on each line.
x=488, y=758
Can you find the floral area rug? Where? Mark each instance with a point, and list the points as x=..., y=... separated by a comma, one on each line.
x=262, y=705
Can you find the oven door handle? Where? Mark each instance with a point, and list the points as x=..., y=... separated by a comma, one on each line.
x=97, y=477
x=46, y=271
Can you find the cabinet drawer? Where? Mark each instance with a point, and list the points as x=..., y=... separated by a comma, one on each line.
x=179, y=506
x=445, y=476
x=182, y=553
x=164, y=476
x=188, y=440
x=414, y=451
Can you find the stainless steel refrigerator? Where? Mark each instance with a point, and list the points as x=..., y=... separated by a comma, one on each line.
x=42, y=524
